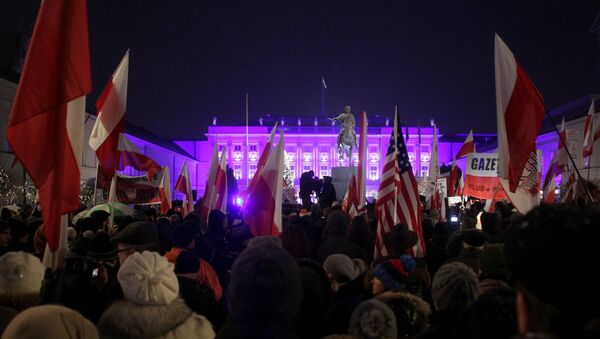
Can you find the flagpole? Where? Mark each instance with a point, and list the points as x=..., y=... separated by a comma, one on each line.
x=564, y=143
x=247, y=145
x=322, y=97
x=396, y=123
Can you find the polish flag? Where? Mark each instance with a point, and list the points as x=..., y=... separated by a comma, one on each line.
x=588, y=132
x=110, y=123
x=45, y=129
x=361, y=192
x=433, y=193
x=467, y=147
x=262, y=212
x=562, y=160
x=183, y=185
x=351, y=199
x=164, y=190
x=520, y=111
x=210, y=183
x=218, y=199
x=262, y=160
x=549, y=186
x=129, y=155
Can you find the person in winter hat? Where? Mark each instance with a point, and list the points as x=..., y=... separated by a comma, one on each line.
x=50, y=321
x=264, y=294
x=184, y=239
x=373, y=319
x=455, y=287
x=392, y=274
x=21, y=276
x=153, y=308
x=553, y=254
x=343, y=274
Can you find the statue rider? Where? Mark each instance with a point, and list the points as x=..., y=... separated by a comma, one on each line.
x=346, y=140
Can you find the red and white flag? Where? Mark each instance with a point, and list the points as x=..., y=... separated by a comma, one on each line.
x=262, y=160
x=562, y=160
x=210, y=183
x=110, y=122
x=219, y=191
x=456, y=179
x=589, y=136
x=398, y=196
x=184, y=186
x=433, y=192
x=361, y=192
x=350, y=202
x=549, y=186
x=45, y=129
x=164, y=190
x=520, y=111
x=262, y=211
x=467, y=147
x=129, y=155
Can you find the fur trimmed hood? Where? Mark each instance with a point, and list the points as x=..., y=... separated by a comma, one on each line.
x=124, y=319
x=420, y=304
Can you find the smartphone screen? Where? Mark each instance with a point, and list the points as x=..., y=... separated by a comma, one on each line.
x=95, y=273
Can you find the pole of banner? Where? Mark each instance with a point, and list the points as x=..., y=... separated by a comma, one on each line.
x=564, y=143
x=588, y=167
x=396, y=123
x=247, y=145
x=96, y=183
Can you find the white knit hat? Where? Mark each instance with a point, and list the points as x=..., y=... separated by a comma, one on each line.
x=148, y=279
x=20, y=273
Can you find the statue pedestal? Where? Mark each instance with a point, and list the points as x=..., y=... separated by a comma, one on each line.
x=341, y=179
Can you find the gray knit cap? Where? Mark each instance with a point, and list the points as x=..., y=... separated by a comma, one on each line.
x=341, y=267
x=455, y=287
x=373, y=319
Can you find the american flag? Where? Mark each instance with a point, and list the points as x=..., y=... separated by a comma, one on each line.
x=398, y=196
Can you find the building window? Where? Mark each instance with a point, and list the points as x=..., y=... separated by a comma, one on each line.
x=252, y=148
x=324, y=170
x=251, y=170
x=373, y=149
x=237, y=172
x=373, y=172
x=238, y=155
x=424, y=171
x=293, y=170
x=306, y=168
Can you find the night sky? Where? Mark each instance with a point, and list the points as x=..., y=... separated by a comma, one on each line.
x=191, y=60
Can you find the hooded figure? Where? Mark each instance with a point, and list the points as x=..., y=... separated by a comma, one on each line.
x=152, y=307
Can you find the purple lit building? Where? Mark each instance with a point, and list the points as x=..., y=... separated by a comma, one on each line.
x=310, y=144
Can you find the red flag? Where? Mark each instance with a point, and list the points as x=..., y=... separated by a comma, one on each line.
x=215, y=195
x=111, y=106
x=562, y=160
x=520, y=111
x=398, y=196
x=588, y=132
x=129, y=155
x=550, y=180
x=45, y=129
x=433, y=192
x=351, y=199
x=262, y=160
x=467, y=147
x=183, y=185
x=210, y=183
x=165, y=191
x=262, y=212
x=361, y=192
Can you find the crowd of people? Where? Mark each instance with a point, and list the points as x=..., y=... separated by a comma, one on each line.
x=496, y=275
